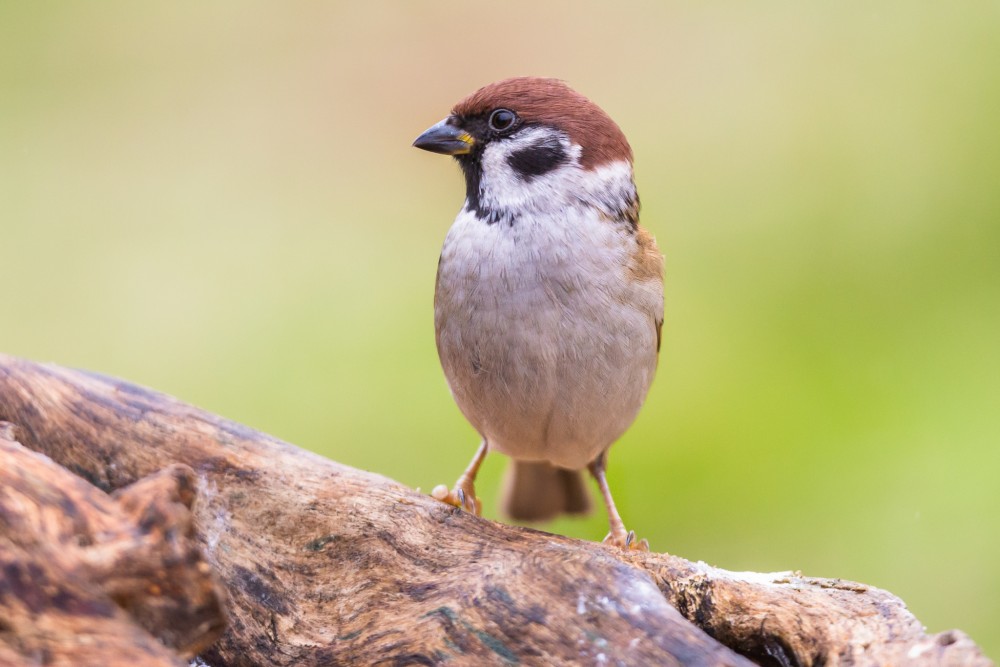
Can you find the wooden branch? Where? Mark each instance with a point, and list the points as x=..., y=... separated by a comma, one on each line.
x=87, y=579
x=324, y=564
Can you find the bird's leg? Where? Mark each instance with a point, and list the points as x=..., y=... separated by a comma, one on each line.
x=464, y=493
x=619, y=537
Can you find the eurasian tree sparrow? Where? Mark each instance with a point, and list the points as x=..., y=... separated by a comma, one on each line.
x=549, y=299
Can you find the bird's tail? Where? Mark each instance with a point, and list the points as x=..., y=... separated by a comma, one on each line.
x=537, y=491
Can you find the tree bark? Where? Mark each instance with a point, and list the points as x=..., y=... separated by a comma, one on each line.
x=327, y=565
x=89, y=579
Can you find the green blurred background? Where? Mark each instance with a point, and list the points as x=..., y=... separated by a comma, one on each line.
x=219, y=200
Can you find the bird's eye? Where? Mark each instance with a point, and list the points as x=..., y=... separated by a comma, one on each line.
x=502, y=119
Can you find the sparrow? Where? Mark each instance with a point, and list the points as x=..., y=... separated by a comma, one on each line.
x=548, y=306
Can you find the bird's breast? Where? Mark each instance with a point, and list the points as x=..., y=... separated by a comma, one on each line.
x=542, y=336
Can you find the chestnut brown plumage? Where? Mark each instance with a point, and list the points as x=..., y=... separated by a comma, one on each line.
x=552, y=103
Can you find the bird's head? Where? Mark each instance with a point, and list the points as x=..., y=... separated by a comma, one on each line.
x=534, y=145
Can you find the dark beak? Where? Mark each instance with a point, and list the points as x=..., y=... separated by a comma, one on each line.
x=445, y=138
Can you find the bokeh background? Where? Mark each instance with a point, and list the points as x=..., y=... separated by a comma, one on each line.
x=219, y=200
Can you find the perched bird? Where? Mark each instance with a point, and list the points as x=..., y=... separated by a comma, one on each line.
x=549, y=298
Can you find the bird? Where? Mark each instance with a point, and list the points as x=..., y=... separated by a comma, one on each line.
x=548, y=305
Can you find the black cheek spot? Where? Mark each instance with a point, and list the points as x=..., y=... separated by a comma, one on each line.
x=538, y=159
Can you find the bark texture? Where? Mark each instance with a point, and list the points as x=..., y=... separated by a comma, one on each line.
x=88, y=579
x=327, y=565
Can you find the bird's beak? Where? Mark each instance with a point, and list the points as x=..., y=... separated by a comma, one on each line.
x=445, y=138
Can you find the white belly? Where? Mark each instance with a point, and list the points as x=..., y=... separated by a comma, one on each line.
x=548, y=347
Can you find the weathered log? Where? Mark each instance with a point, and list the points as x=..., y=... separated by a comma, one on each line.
x=325, y=564
x=86, y=579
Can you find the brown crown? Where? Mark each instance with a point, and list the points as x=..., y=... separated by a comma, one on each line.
x=552, y=102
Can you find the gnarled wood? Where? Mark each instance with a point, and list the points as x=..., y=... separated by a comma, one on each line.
x=325, y=564
x=86, y=579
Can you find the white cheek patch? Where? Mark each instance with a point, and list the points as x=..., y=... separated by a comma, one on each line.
x=503, y=188
x=505, y=193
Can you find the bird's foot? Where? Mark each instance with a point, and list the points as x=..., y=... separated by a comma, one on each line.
x=462, y=496
x=626, y=541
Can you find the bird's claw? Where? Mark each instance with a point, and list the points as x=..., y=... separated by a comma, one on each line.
x=626, y=541
x=462, y=496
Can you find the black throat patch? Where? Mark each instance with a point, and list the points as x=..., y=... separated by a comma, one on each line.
x=473, y=172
